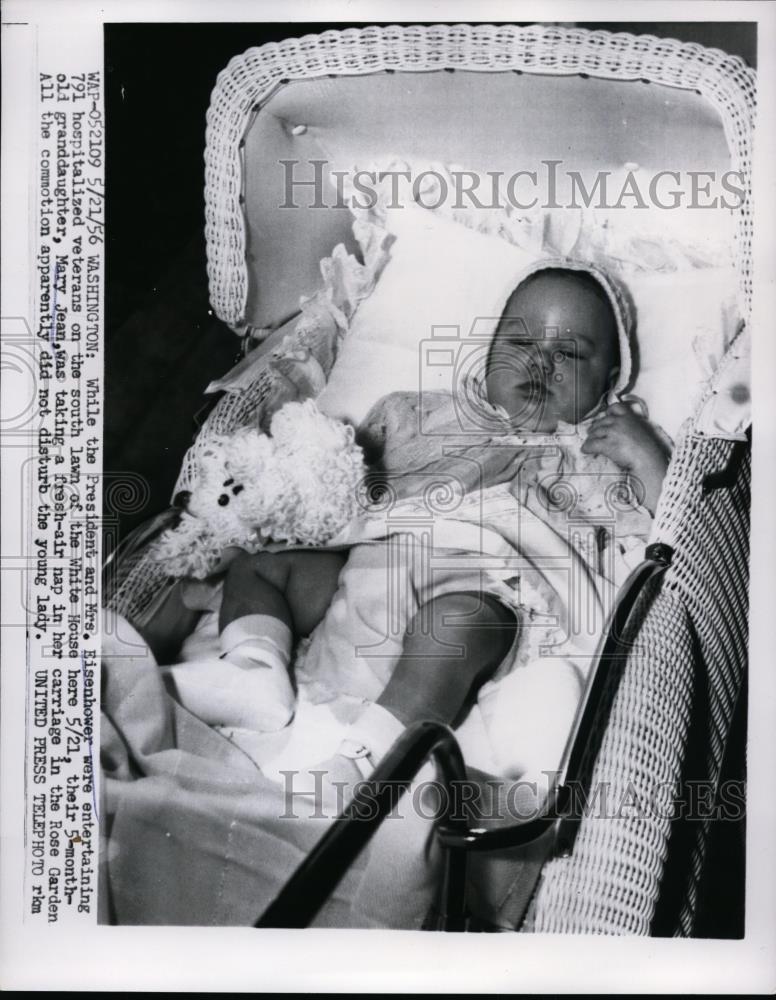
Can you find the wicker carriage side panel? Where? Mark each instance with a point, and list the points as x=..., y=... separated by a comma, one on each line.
x=680, y=684
x=707, y=522
x=611, y=882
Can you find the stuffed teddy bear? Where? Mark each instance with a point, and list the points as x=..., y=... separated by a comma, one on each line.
x=298, y=484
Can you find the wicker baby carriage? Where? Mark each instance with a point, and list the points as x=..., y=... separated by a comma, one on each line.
x=671, y=678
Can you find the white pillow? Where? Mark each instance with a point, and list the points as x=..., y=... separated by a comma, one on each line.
x=685, y=321
x=451, y=282
x=442, y=280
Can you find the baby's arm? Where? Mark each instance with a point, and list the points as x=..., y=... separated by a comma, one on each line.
x=634, y=444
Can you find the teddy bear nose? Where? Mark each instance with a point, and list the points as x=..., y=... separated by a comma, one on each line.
x=181, y=499
x=235, y=490
x=223, y=500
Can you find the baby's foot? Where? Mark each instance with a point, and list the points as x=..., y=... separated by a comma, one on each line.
x=258, y=649
x=333, y=782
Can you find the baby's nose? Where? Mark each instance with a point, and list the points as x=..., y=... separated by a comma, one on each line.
x=546, y=364
x=553, y=362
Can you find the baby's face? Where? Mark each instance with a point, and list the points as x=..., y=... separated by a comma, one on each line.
x=555, y=352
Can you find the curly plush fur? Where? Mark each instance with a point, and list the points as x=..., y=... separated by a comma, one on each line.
x=299, y=484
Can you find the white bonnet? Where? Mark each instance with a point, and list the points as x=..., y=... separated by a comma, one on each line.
x=617, y=299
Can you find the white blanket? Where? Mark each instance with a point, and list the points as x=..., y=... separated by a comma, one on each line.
x=519, y=725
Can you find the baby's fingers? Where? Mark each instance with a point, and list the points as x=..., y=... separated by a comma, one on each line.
x=600, y=430
x=601, y=423
x=594, y=443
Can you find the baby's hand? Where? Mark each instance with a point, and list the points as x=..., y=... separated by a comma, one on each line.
x=635, y=445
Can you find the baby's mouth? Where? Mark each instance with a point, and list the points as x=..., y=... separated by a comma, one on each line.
x=536, y=393
x=531, y=413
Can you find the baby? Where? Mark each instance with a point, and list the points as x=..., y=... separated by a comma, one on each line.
x=459, y=636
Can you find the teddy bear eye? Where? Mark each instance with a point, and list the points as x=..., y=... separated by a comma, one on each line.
x=223, y=500
x=228, y=482
x=237, y=489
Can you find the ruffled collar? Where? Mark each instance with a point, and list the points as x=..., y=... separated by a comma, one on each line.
x=473, y=388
